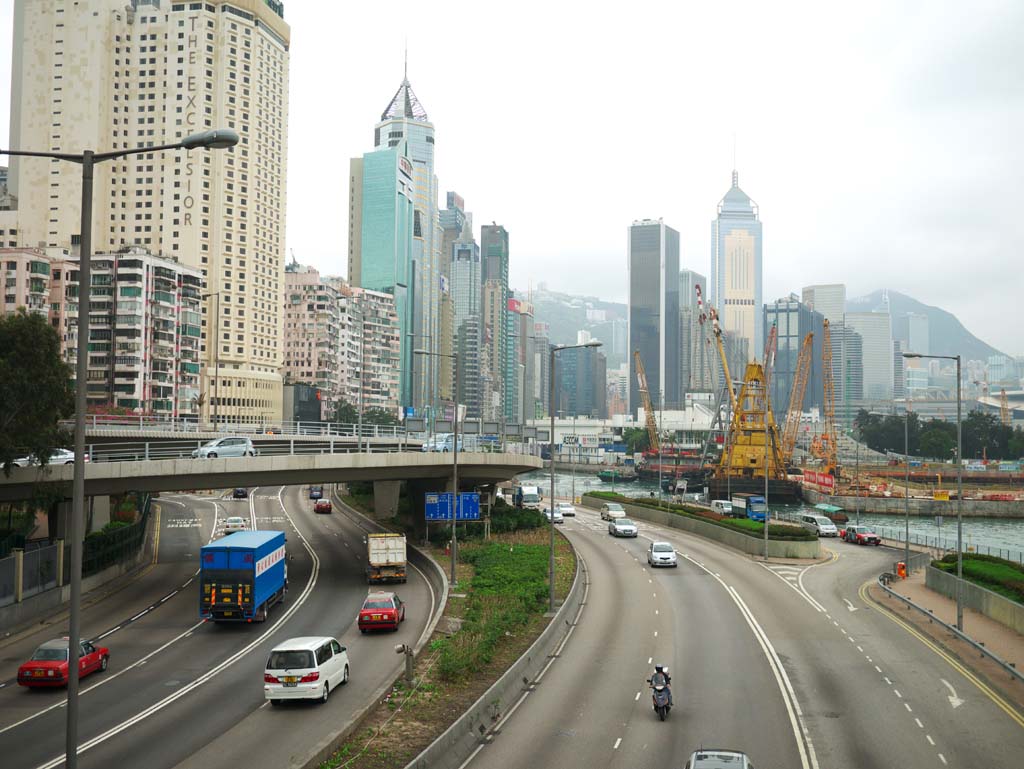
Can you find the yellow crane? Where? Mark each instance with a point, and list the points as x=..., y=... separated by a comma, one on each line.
x=717, y=328
x=645, y=395
x=752, y=425
x=796, y=398
x=825, y=446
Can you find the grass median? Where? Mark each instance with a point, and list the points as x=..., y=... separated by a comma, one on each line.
x=996, y=574
x=494, y=614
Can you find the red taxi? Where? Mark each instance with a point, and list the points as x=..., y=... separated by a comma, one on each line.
x=48, y=665
x=322, y=506
x=381, y=611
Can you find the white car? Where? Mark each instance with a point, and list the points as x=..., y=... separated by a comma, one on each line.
x=612, y=510
x=57, y=457
x=225, y=447
x=233, y=524
x=565, y=509
x=820, y=524
x=306, y=668
x=622, y=527
x=558, y=515
x=661, y=554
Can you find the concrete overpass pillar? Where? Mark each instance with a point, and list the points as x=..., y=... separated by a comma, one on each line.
x=385, y=499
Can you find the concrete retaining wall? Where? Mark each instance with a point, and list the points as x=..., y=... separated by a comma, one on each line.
x=733, y=539
x=452, y=748
x=972, y=508
x=992, y=605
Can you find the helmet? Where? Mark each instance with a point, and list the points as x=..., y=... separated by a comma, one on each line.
x=659, y=668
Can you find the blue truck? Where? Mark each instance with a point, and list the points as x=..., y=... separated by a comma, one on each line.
x=242, y=575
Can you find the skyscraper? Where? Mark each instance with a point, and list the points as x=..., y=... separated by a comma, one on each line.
x=494, y=254
x=384, y=260
x=695, y=362
x=793, y=321
x=912, y=330
x=405, y=122
x=875, y=330
x=653, y=308
x=736, y=275
x=466, y=297
x=828, y=299
x=108, y=74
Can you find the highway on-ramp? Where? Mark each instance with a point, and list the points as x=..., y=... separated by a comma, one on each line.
x=765, y=658
x=183, y=692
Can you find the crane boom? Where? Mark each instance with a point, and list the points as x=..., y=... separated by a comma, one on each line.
x=831, y=454
x=645, y=395
x=770, y=348
x=717, y=328
x=796, y=398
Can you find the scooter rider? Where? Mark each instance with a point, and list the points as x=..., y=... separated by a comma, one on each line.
x=661, y=672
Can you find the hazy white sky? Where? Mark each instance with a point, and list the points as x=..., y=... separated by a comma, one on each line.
x=881, y=140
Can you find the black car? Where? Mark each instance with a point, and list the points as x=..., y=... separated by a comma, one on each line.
x=240, y=493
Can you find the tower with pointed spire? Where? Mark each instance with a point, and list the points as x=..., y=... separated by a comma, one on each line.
x=737, y=274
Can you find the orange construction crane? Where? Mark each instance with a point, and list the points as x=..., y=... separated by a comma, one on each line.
x=645, y=395
x=825, y=447
x=796, y=399
x=1004, y=408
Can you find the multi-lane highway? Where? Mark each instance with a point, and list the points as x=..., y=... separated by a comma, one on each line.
x=180, y=692
x=786, y=662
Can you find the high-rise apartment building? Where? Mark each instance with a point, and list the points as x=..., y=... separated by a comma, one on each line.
x=314, y=334
x=380, y=349
x=581, y=383
x=828, y=299
x=736, y=275
x=144, y=332
x=875, y=330
x=514, y=364
x=112, y=74
x=653, y=308
x=26, y=274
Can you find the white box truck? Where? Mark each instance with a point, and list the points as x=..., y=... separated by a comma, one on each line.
x=385, y=557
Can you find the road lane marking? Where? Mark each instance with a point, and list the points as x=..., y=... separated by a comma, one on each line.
x=212, y=673
x=953, y=699
x=930, y=740
x=650, y=660
x=114, y=630
x=919, y=724
x=907, y=706
x=897, y=693
x=861, y=651
x=805, y=747
x=617, y=743
x=1003, y=705
x=637, y=697
x=942, y=758
x=849, y=604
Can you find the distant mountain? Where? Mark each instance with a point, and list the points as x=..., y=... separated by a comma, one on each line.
x=566, y=314
x=946, y=334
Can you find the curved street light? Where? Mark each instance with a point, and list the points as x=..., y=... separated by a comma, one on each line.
x=220, y=138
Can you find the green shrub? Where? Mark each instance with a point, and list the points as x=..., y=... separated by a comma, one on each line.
x=114, y=525
x=753, y=528
x=996, y=574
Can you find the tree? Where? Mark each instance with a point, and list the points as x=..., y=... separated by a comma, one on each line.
x=345, y=413
x=1015, y=448
x=35, y=388
x=378, y=416
x=936, y=443
x=636, y=439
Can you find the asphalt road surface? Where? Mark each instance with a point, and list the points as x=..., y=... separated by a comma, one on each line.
x=785, y=662
x=180, y=692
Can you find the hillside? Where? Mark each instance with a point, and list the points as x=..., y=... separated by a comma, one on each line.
x=946, y=334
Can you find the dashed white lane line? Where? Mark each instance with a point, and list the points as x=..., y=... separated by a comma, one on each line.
x=637, y=697
x=887, y=680
x=919, y=724
x=655, y=633
x=878, y=668
x=930, y=740
x=897, y=693
x=907, y=706
x=860, y=650
x=835, y=623
x=619, y=742
x=942, y=758
x=655, y=611
x=650, y=660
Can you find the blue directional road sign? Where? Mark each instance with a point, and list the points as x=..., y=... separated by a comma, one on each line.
x=439, y=507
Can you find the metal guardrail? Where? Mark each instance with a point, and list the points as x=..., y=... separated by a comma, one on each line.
x=97, y=423
x=1009, y=667
x=949, y=545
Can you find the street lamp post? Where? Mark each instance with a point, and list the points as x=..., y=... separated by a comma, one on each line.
x=213, y=139
x=551, y=444
x=455, y=454
x=959, y=484
x=906, y=493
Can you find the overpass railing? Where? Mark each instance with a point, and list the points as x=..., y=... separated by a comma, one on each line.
x=98, y=423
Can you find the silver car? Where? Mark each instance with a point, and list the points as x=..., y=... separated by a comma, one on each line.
x=225, y=447
x=622, y=527
x=56, y=457
x=661, y=554
x=716, y=758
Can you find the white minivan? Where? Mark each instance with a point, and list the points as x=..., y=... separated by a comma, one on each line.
x=820, y=524
x=305, y=668
x=722, y=507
